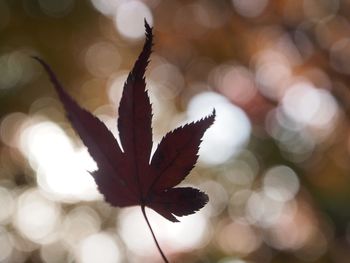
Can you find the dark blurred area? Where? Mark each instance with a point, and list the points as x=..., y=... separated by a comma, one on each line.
x=275, y=164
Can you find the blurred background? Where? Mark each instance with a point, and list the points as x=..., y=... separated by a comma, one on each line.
x=275, y=164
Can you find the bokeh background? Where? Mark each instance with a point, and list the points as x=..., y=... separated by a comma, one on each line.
x=275, y=163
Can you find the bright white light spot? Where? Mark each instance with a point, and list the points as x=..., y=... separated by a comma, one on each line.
x=273, y=71
x=237, y=205
x=129, y=19
x=137, y=237
x=188, y=235
x=115, y=87
x=102, y=59
x=236, y=238
x=301, y=102
x=7, y=205
x=167, y=79
x=80, y=223
x=6, y=246
x=229, y=133
x=271, y=77
x=241, y=173
x=61, y=168
x=250, y=8
x=294, y=140
x=16, y=68
x=106, y=7
x=111, y=124
x=309, y=106
x=10, y=126
x=281, y=183
x=99, y=247
x=10, y=74
x=295, y=223
x=262, y=210
x=237, y=84
x=217, y=197
x=37, y=217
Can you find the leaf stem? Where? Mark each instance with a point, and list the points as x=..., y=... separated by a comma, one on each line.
x=154, y=237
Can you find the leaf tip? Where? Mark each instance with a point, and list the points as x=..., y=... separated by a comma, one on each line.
x=212, y=117
x=35, y=57
x=149, y=29
x=41, y=61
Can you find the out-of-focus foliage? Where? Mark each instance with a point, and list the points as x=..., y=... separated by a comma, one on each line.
x=275, y=163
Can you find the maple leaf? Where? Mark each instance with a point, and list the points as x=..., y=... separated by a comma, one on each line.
x=128, y=176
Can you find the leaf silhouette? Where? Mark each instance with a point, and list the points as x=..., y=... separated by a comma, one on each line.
x=129, y=176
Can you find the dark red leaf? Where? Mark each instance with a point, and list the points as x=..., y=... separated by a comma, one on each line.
x=178, y=201
x=101, y=145
x=176, y=154
x=135, y=118
x=127, y=176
